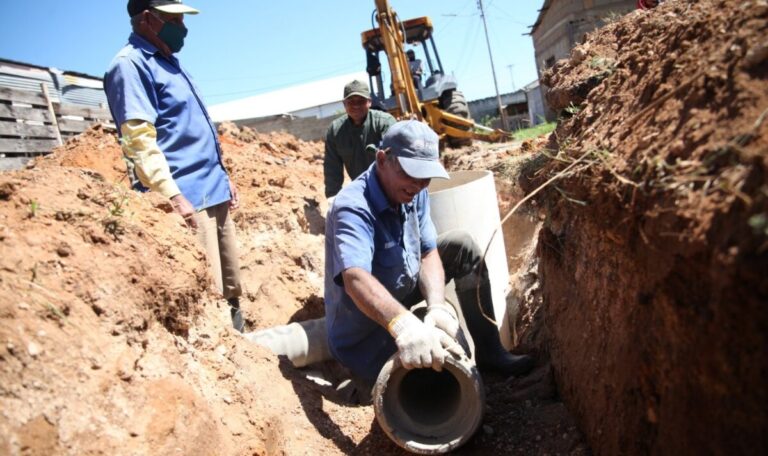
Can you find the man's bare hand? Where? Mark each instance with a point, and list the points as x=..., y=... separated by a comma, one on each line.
x=234, y=203
x=184, y=208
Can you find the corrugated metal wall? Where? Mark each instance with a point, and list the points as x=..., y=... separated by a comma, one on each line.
x=62, y=87
x=27, y=123
x=82, y=91
x=30, y=84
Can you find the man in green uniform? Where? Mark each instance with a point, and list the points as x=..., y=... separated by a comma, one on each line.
x=348, y=136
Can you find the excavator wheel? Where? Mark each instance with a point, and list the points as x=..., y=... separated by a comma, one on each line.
x=453, y=102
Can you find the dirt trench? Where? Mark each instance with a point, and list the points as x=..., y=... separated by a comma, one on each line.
x=111, y=340
x=639, y=274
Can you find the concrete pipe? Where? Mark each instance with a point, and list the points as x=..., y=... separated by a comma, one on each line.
x=303, y=343
x=467, y=201
x=429, y=412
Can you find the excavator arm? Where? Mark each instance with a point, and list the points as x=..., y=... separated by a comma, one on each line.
x=447, y=124
x=393, y=40
x=391, y=37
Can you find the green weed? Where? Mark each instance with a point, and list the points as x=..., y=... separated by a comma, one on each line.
x=488, y=120
x=34, y=206
x=604, y=64
x=534, y=132
x=117, y=209
x=759, y=223
x=573, y=109
x=117, y=206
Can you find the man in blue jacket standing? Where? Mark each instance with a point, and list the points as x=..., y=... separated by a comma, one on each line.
x=168, y=138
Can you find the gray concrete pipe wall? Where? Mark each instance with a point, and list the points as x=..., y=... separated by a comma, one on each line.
x=429, y=412
x=421, y=410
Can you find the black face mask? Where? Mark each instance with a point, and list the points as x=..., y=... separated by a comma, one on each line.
x=173, y=36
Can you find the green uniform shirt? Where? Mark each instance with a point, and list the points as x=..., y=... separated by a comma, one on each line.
x=345, y=147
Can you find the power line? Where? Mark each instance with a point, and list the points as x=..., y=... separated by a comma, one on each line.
x=453, y=16
x=468, y=44
x=509, y=17
x=503, y=114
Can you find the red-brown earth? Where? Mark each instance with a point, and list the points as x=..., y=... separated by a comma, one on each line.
x=654, y=253
x=639, y=274
x=113, y=342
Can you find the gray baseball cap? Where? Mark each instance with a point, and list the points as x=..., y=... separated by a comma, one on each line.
x=417, y=149
x=356, y=87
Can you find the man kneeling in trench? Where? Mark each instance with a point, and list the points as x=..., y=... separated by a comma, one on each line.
x=383, y=256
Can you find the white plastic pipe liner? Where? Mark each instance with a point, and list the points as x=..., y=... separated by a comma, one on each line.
x=303, y=343
x=467, y=201
x=429, y=412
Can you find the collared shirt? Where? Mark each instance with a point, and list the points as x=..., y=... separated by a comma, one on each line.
x=417, y=69
x=363, y=230
x=143, y=84
x=345, y=147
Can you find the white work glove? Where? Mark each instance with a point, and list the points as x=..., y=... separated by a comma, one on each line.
x=442, y=317
x=421, y=345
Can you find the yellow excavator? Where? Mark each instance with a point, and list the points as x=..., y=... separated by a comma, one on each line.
x=436, y=101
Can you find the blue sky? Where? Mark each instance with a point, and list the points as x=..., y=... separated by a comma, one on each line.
x=239, y=48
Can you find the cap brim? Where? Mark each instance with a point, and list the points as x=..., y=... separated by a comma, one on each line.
x=177, y=9
x=367, y=96
x=423, y=169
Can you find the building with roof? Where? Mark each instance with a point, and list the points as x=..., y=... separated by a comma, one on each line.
x=515, y=105
x=562, y=24
x=304, y=110
x=536, y=105
x=317, y=99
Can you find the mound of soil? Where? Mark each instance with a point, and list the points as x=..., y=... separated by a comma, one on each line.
x=111, y=337
x=96, y=149
x=654, y=253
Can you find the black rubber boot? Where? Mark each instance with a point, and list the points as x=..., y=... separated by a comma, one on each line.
x=489, y=353
x=236, y=314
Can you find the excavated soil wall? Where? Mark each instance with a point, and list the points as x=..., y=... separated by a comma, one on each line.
x=654, y=254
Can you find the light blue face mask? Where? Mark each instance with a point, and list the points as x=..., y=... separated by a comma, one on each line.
x=173, y=36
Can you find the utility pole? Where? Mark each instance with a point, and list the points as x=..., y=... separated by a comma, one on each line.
x=511, y=76
x=504, y=122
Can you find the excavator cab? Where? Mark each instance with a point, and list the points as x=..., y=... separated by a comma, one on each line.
x=432, y=83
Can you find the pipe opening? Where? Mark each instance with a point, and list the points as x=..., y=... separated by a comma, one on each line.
x=430, y=397
x=429, y=412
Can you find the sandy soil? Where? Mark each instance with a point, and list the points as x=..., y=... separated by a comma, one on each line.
x=112, y=342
